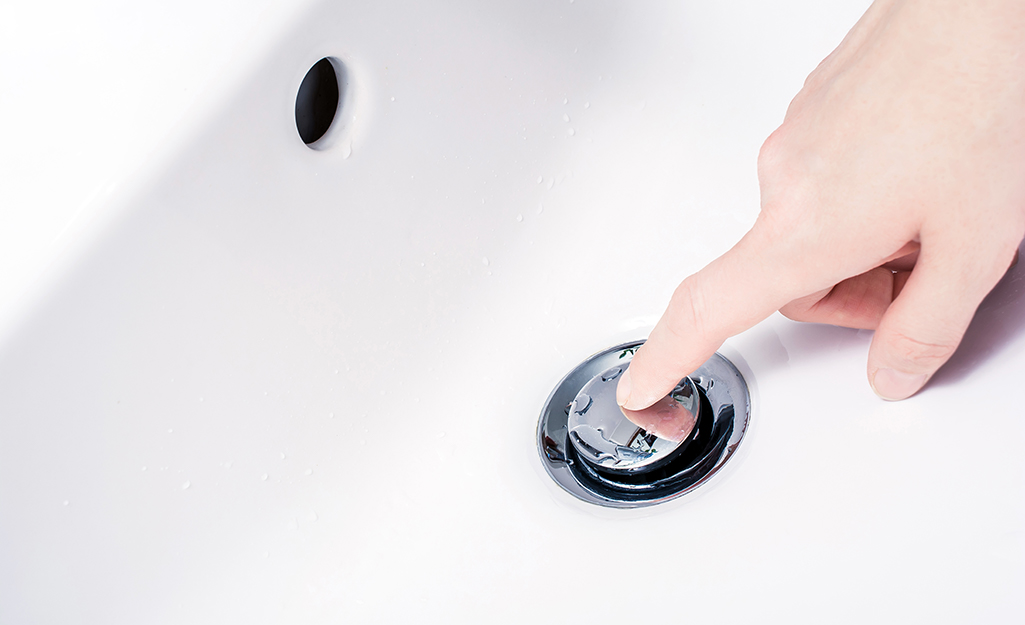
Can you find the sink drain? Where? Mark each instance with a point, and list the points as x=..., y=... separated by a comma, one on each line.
x=595, y=453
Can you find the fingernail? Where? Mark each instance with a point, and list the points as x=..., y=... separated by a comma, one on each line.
x=894, y=385
x=623, y=390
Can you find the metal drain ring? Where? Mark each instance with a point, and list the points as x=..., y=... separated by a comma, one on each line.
x=725, y=401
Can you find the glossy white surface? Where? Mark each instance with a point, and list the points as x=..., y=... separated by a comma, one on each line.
x=278, y=385
x=96, y=93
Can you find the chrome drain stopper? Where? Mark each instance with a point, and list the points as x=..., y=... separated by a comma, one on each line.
x=603, y=436
x=593, y=451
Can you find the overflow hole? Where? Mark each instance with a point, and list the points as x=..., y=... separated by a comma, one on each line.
x=316, y=104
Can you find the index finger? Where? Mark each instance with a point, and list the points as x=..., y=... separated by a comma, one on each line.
x=734, y=292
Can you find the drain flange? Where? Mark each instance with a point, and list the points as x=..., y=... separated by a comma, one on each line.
x=628, y=469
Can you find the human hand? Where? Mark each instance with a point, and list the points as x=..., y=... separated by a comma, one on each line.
x=892, y=198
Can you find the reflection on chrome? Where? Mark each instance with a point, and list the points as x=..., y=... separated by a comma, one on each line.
x=593, y=451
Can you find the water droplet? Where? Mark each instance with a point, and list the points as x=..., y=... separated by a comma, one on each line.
x=540, y=208
x=486, y=262
x=336, y=371
x=519, y=218
x=565, y=117
x=170, y=430
x=264, y=477
x=347, y=150
x=66, y=502
x=332, y=415
x=282, y=455
x=143, y=468
x=540, y=179
x=200, y=399
x=565, y=100
x=551, y=183
x=582, y=403
x=393, y=98
x=186, y=485
x=611, y=375
x=571, y=132
x=587, y=105
x=309, y=471
x=227, y=464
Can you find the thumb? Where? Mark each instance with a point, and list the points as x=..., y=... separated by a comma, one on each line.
x=925, y=323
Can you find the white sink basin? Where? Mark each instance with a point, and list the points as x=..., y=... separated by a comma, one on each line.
x=275, y=384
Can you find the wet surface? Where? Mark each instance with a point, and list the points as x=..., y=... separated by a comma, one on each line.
x=611, y=437
x=668, y=418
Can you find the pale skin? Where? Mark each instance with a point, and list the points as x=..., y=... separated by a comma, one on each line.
x=892, y=199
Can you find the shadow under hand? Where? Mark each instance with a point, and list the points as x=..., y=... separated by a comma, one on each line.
x=998, y=321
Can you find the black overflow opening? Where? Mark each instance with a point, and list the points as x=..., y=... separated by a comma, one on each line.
x=317, y=101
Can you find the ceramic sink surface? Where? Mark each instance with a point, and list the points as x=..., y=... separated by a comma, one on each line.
x=273, y=384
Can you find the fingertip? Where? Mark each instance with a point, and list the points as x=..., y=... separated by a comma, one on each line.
x=656, y=368
x=634, y=399
x=623, y=388
x=894, y=385
x=636, y=402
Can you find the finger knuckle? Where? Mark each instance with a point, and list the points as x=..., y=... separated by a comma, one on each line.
x=771, y=154
x=789, y=187
x=924, y=354
x=690, y=317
